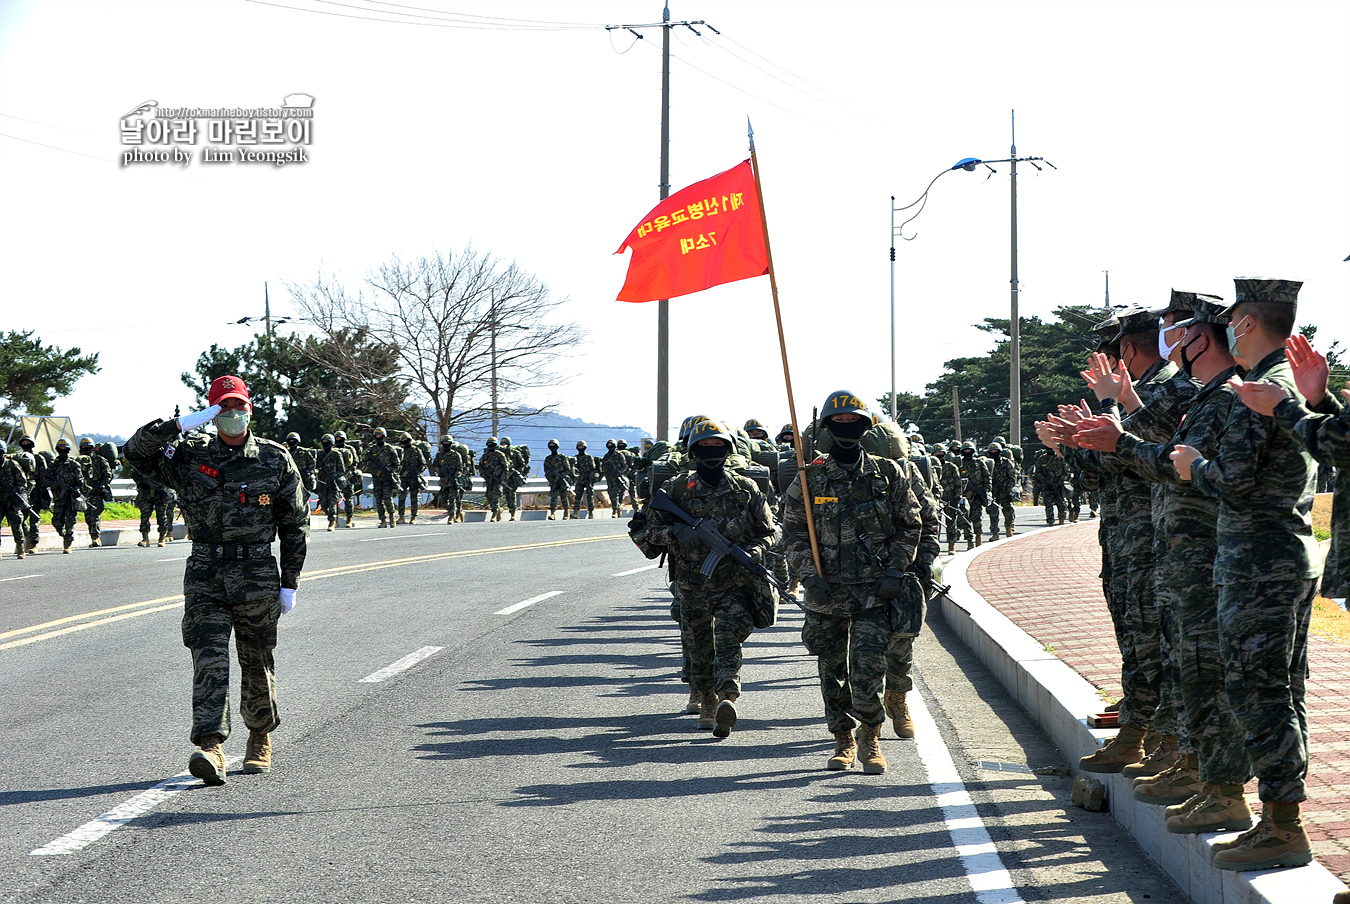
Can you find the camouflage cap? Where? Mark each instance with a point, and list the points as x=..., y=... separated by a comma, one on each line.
x=1208, y=311
x=1103, y=334
x=1135, y=320
x=1271, y=291
x=1179, y=302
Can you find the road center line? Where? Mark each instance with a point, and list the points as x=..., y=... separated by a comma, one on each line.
x=529, y=602
x=988, y=877
x=22, y=577
x=623, y=574
x=122, y=814
x=402, y=665
x=404, y=536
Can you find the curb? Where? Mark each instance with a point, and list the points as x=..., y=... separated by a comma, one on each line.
x=1058, y=698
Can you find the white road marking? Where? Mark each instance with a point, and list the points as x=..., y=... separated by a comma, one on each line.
x=529, y=602
x=22, y=577
x=403, y=664
x=404, y=536
x=178, y=559
x=636, y=570
x=988, y=877
x=123, y=813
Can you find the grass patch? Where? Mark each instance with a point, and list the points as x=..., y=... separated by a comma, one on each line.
x=1330, y=620
x=1321, y=516
x=112, y=511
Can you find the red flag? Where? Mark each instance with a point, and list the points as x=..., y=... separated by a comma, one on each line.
x=702, y=236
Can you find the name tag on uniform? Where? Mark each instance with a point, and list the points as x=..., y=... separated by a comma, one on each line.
x=821, y=500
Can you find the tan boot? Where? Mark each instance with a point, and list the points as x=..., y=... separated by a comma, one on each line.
x=1163, y=756
x=1008, y=530
x=553, y=515
x=162, y=539
x=869, y=749
x=1277, y=840
x=258, y=756
x=695, y=703
x=707, y=710
x=725, y=716
x=898, y=710
x=208, y=764
x=1061, y=519
x=18, y=550
x=145, y=539
x=1171, y=786
x=1224, y=809
x=65, y=550
x=1125, y=748
x=845, y=751
x=94, y=544
x=951, y=549
x=1190, y=803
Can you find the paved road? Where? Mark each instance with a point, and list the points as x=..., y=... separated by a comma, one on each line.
x=536, y=752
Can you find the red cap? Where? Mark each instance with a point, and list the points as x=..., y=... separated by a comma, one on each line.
x=229, y=387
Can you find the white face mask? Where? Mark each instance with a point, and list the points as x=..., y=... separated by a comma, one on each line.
x=1163, y=348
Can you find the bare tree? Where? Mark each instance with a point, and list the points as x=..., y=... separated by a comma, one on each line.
x=455, y=322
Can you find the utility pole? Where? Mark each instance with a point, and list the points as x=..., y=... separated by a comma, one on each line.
x=267, y=311
x=1015, y=327
x=892, y=307
x=956, y=411
x=1106, y=306
x=492, y=326
x=663, y=305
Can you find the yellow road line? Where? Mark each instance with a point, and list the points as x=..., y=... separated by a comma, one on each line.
x=341, y=570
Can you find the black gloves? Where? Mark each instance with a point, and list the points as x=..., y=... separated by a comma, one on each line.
x=817, y=587
x=891, y=584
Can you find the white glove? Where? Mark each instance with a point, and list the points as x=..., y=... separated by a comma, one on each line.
x=187, y=422
x=287, y=600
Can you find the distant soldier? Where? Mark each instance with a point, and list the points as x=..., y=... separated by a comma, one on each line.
x=13, y=499
x=34, y=467
x=98, y=478
x=614, y=465
x=493, y=466
x=355, y=484
x=1005, y=488
x=953, y=494
x=65, y=477
x=587, y=469
x=519, y=468
x=304, y=462
x=975, y=475
x=447, y=464
x=560, y=474
x=411, y=465
x=631, y=474
x=383, y=461
x=1052, y=473
x=153, y=499
x=334, y=484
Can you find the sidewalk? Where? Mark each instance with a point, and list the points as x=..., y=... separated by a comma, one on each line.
x=1047, y=584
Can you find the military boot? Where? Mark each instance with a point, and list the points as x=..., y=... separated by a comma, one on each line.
x=1223, y=809
x=694, y=705
x=1125, y=748
x=401, y=520
x=94, y=543
x=258, y=756
x=1061, y=519
x=951, y=547
x=65, y=550
x=552, y=514
x=513, y=516
x=1171, y=786
x=208, y=764
x=331, y=522
x=145, y=539
x=163, y=538
x=1161, y=757
x=898, y=709
x=349, y=520
x=725, y=715
x=707, y=710
x=869, y=749
x=412, y=519
x=18, y=549
x=845, y=751
x=1008, y=530
x=1277, y=840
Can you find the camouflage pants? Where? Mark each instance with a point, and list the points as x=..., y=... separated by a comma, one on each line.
x=493, y=494
x=1005, y=505
x=32, y=526
x=952, y=510
x=450, y=496
x=328, y=500
x=616, y=488
x=220, y=597
x=511, y=496
x=16, y=527
x=557, y=490
x=851, y=661
x=162, y=509
x=1214, y=731
x=713, y=625
x=585, y=492
x=383, y=491
x=1263, y=639
x=899, y=663
x=63, y=519
x=1054, y=504
x=403, y=497
x=1140, y=638
x=93, y=516
x=976, y=516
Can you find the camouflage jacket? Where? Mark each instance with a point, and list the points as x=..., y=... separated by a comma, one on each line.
x=351, y=463
x=12, y=481
x=147, y=491
x=413, y=462
x=930, y=547
x=558, y=467
x=493, y=464
x=304, y=462
x=448, y=463
x=71, y=474
x=614, y=464
x=741, y=513
x=334, y=461
x=97, y=473
x=867, y=519
x=588, y=468
x=1051, y=472
x=1185, y=517
x=975, y=475
x=383, y=462
x=1004, y=479
x=1325, y=431
x=245, y=495
x=1264, y=480
x=953, y=484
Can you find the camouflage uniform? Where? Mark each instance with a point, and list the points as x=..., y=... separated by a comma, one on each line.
x=351, y=454
x=560, y=474
x=975, y=478
x=334, y=485
x=953, y=493
x=69, y=472
x=383, y=461
x=13, y=498
x=1267, y=572
x=153, y=499
x=715, y=611
x=1325, y=432
x=492, y=467
x=304, y=463
x=1005, y=489
x=1184, y=584
x=900, y=650
x=1051, y=473
x=39, y=497
x=849, y=629
x=518, y=468
x=587, y=470
x=411, y=466
x=614, y=464
x=448, y=465
x=236, y=500
x=98, y=478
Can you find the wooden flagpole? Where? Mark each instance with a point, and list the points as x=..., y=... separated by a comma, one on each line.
x=782, y=346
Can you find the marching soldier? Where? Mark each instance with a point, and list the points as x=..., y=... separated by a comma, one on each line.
x=518, y=466
x=614, y=464
x=412, y=463
x=492, y=467
x=560, y=474
x=975, y=477
x=334, y=484
x=352, y=459
x=448, y=466
x=587, y=469
x=383, y=461
x=1005, y=489
x=304, y=462
x=65, y=477
x=98, y=480
x=152, y=498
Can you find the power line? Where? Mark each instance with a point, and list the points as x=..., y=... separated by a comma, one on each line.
x=434, y=23
x=472, y=16
x=47, y=124
x=55, y=148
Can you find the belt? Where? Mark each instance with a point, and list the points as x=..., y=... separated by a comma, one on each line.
x=229, y=552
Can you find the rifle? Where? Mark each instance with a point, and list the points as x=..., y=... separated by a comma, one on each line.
x=7, y=488
x=720, y=547
x=338, y=482
x=77, y=499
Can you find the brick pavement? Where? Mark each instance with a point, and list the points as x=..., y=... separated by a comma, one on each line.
x=1048, y=584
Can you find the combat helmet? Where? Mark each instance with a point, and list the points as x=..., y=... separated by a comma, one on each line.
x=327, y=439
x=86, y=443
x=342, y=435
x=292, y=437
x=581, y=445
x=553, y=444
x=506, y=440
x=841, y=401
x=611, y=444
x=447, y=441
x=1000, y=440
x=63, y=443
x=967, y=446
x=405, y=437
x=623, y=444
x=491, y=441
x=380, y=433
x=995, y=446
x=706, y=428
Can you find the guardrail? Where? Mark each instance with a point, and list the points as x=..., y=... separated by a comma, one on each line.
x=124, y=489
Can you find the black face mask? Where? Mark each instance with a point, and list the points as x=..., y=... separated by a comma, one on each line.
x=710, y=462
x=1187, y=362
x=553, y=448
x=327, y=446
x=996, y=455
x=379, y=440
x=846, y=447
x=967, y=453
x=62, y=454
